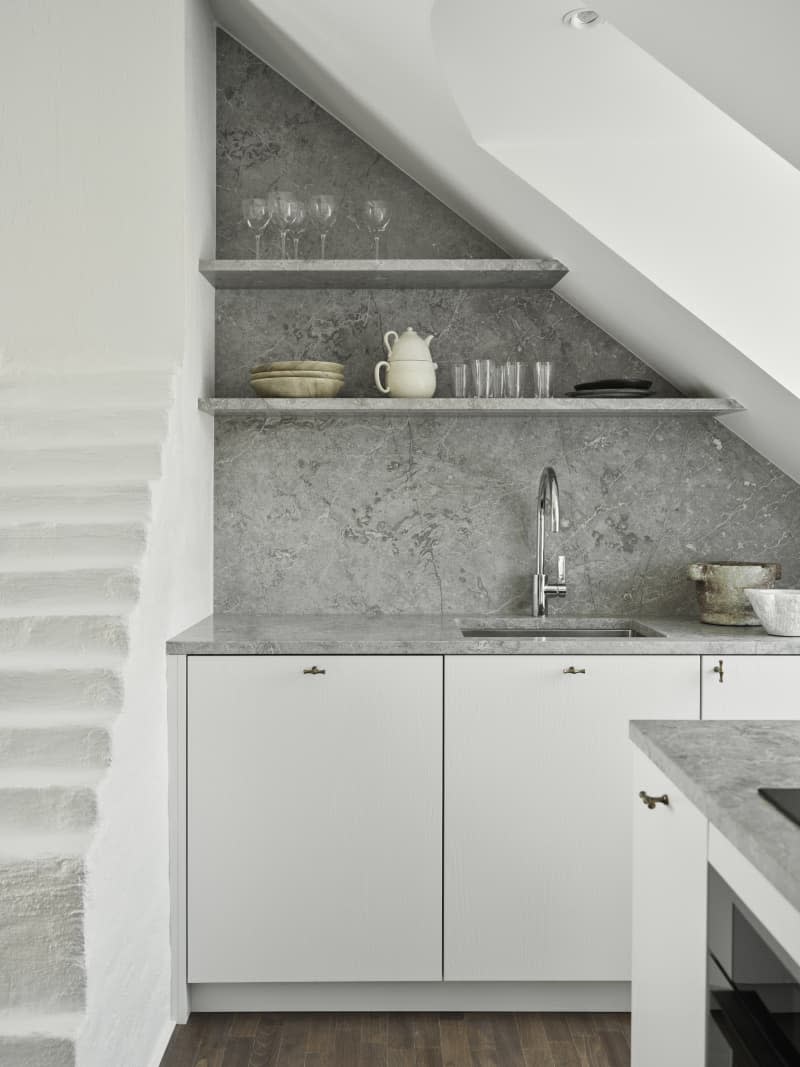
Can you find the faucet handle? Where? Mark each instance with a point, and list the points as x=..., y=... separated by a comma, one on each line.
x=562, y=570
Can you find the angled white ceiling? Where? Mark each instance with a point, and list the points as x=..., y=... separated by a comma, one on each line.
x=739, y=54
x=678, y=225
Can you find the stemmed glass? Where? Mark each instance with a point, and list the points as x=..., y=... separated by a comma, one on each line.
x=298, y=228
x=377, y=216
x=257, y=214
x=285, y=208
x=322, y=211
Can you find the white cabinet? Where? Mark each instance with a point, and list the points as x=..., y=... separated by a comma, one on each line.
x=669, y=925
x=751, y=687
x=537, y=810
x=314, y=818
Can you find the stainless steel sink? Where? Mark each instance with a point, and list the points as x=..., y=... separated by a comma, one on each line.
x=539, y=629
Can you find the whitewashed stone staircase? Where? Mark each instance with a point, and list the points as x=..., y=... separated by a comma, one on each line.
x=76, y=461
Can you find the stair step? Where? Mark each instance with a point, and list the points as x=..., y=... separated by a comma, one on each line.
x=88, y=591
x=18, y=848
x=56, y=800
x=42, y=930
x=103, y=639
x=36, y=1040
x=39, y=740
x=64, y=546
x=90, y=465
x=87, y=503
x=27, y=428
x=117, y=389
x=60, y=690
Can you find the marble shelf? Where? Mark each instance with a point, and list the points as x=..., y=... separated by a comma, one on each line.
x=383, y=274
x=239, y=406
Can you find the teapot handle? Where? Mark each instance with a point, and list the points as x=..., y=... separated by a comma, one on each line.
x=386, y=345
x=378, y=381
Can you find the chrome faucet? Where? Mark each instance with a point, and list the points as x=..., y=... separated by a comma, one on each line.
x=548, y=490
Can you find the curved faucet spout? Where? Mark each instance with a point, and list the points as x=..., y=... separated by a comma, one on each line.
x=548, y=491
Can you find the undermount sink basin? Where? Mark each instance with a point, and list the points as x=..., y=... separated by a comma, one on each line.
x=539, y=629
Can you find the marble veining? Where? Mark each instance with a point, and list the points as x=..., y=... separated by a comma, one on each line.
x=348, y=325
x=377, y=634
x=270, y=136
x=719, y=766
x=385, y=513
x=229, y=405
x=395, y=514
x=386, y=274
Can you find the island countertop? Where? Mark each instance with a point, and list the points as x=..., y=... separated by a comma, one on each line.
x=261, y=635
x=719, y=766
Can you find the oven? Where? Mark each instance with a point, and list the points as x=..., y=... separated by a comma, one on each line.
x=753, y=989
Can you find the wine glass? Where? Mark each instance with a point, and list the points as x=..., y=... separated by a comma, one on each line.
x=322, y=210
x=257, y=214
x=377, y=216
x=285, y=208
x=298, y=228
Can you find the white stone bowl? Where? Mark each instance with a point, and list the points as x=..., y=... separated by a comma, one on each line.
x=778, y=610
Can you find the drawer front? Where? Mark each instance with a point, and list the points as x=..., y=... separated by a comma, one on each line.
x=751, y=687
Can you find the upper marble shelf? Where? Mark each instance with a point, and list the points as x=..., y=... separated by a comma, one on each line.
x=252, y=405
x=383, y=273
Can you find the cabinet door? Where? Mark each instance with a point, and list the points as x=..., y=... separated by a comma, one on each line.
x=669, y=925
x=752, y=687
x=537, y=809
x=314, y=818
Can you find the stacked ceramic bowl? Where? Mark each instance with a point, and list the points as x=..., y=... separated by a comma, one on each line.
x=298, y=378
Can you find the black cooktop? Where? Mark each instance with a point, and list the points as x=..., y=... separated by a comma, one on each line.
x=787, y=801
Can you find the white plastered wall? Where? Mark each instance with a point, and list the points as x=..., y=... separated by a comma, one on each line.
x=107, y=114
x=128, y=1018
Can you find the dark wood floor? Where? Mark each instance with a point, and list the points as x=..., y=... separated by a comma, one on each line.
x=473, y=1039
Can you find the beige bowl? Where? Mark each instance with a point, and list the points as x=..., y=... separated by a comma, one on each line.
x=297, y=387
x=296, y=374
x=299, y=364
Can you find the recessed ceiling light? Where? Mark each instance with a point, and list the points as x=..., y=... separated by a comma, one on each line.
x=582, y=18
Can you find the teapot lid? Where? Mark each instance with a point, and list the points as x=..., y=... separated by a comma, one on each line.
x=410, y=346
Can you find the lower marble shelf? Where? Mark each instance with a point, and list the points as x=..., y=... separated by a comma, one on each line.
x=229, y=406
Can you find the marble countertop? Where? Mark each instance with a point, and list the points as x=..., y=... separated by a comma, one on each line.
x=441, y=635
x=719, y=766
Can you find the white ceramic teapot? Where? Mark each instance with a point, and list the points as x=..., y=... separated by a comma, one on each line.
x=410, y=372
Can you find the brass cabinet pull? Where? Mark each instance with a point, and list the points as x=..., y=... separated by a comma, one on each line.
x=650, y=802
x=313, y=670
x=720, y=670
x=574, y=670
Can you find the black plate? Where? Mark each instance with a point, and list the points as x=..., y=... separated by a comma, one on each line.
x=611, y=394
x=615, y=383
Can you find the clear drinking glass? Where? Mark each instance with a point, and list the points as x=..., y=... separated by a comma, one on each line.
x=460, y=379
x=543, y=379
x=514, y=374
x=298, y=228
x=322, y=209
x=285, y=208
x=257, y=214
x=377, y=216
x=499, y=379
x=483, y=377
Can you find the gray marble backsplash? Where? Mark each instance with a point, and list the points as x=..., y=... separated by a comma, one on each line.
x=390, y=514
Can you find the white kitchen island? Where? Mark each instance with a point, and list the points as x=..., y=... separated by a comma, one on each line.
x=708, y=852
